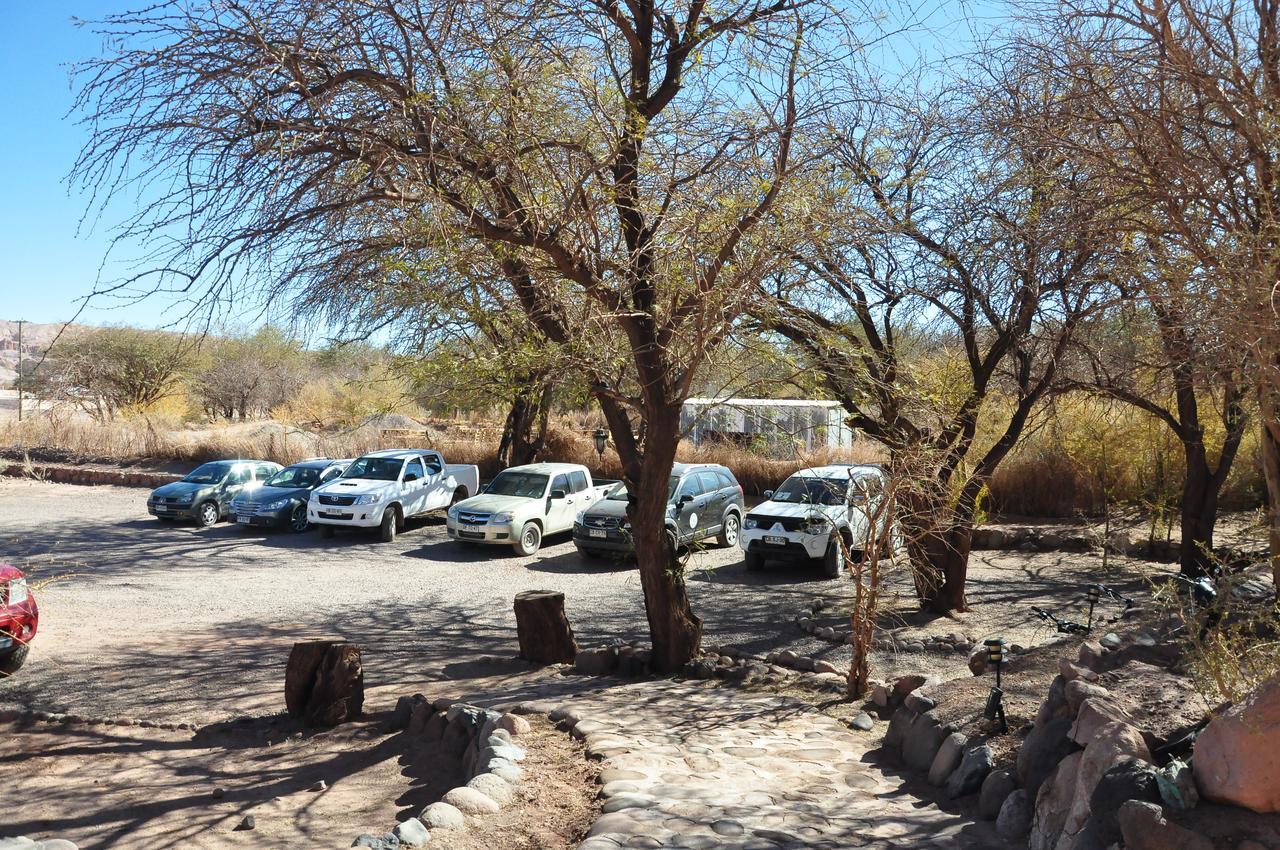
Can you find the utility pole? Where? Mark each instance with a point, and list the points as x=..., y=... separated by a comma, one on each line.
x=21, y=322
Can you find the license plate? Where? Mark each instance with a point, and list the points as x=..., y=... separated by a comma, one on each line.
x=244, y=518
x=597, y=532
x=332, y=514
x=774, y=540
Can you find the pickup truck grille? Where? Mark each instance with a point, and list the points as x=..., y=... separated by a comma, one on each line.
x=600, y=521
x=326, y=499
x=789, y=523
x=472, y=518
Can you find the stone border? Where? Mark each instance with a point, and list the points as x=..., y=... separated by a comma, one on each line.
x=632, y=661
x=482, y=738
x=81, y=475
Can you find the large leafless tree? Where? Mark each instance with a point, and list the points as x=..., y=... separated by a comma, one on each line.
x=615, y=157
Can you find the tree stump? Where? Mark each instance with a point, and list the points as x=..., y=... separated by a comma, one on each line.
x=324, y=682
x=544, y=631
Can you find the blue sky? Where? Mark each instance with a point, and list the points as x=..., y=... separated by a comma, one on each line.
x=49, y=260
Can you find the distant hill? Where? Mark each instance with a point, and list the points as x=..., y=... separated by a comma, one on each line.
x=36, y=338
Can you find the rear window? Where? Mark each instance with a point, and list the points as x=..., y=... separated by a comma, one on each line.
x=726, y=479
x=578, y=480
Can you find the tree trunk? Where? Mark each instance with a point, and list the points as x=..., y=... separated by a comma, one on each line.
x=1198, y=513
x=675, y=630
x=524, y=434
x=542, y=627
x=324, y=682
x=1270, y=451
x=948, y=557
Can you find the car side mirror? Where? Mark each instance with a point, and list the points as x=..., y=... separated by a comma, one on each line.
x=410, y=477
x=768, y=494
x=684, y=499
x=559, y=494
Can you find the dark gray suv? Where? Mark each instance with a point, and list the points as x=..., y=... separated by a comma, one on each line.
x=703, y=500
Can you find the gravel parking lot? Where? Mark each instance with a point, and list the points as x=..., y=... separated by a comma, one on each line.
x=155, y=620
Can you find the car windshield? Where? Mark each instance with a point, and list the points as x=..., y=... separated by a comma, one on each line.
x=526, y=485
x=806, y=490
x=377, y=468
x=619, y=492
x=208, y=473
x=295, y=476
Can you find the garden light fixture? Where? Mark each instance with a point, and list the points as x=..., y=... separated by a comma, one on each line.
x=1095, y=593
x=996, y=655
x=601, y=439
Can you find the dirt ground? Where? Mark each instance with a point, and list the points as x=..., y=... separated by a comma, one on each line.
x=107, y=786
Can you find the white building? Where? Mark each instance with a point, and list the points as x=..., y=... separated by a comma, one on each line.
x=781, y=426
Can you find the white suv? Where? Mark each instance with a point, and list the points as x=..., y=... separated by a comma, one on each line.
x=800, y=520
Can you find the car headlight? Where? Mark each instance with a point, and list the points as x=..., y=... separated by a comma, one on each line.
x=749, y=522
x=18, y=592
x=499, y=519
x=185, y=499
x=368, y=499
x=278, y=504
x=577, y=519
x=453, y=514
x=817, y=526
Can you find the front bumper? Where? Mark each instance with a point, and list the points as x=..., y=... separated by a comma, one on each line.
x=353, y=516
x=490, y=532
x=260, y=519
x=169, y=511
x=795, y=546
x=615, y=540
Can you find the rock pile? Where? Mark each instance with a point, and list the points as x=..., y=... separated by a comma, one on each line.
x=483, y=740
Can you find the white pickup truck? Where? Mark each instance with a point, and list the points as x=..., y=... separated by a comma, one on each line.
x=382, y=489
x=525, y=503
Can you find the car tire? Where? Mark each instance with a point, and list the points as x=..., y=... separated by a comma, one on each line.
x=730, y=530
x=390, y=524
x=529, y=541
x=831, y=559
x=326, y=531
x=298, y=519
x=754, y=561
x=208, y=514
x=11, y=663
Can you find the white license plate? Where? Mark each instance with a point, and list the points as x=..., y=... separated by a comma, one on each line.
x=597, y=532
x=245, y=518
x=333, y=514
x=774, y=540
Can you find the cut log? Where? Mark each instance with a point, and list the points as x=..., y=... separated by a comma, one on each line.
x=324, y=682
x=543, y=629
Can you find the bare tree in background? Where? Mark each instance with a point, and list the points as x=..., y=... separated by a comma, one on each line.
x=1177, y=101
x=947, y=226
x=617, y=159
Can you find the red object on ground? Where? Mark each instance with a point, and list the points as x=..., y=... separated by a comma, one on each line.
x=19, y=616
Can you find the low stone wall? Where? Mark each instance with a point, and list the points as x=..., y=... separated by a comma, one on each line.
x=85, y=475
x=482, y=740
x=632, y=661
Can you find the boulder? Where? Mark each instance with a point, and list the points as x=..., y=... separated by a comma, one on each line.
x=442, y=816
x=596, y=662
x=974, y=768
x=1053, y=804
x=1091, y=653
x=904, y=685
x=1129, y=780
x=922, y=742
x=1237, y=756
x=1043, y=748
x=998, y=785
x=862, y=722
x=514, y=724
x=947, y=759
x=880, y=694
x=826, y=667
x=1071, y=671
x=1014, y=820
x=978, y=660
x=1114, y=743
x=899, y=725
x=1177, y=786
x=412, y=832
x=1055, y=705
x=1094, y=713
x=1078, y=690
x=469, y=801
x=1144, y=827
x=494, y=787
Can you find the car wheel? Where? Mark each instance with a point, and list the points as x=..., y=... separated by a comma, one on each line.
x=326, y=531
x=729, y=530
x=390, y=524
x=831, y=559
x=530, y=539
x=10, y=663
x=207, y=514
x=755, y=562
x=298, y=519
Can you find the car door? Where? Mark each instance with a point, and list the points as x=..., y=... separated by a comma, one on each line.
x=413, y=485
x=560, y=511
x=714, y=500
x=688, y=508
x=234, y=484
x=434, y=494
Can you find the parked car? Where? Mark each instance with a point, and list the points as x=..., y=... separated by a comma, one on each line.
x=383, y=489
x=523, y=504
x=703, y=500
x=805, y=518
x=281, y=502
x=19, y=618
x=206, y=492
